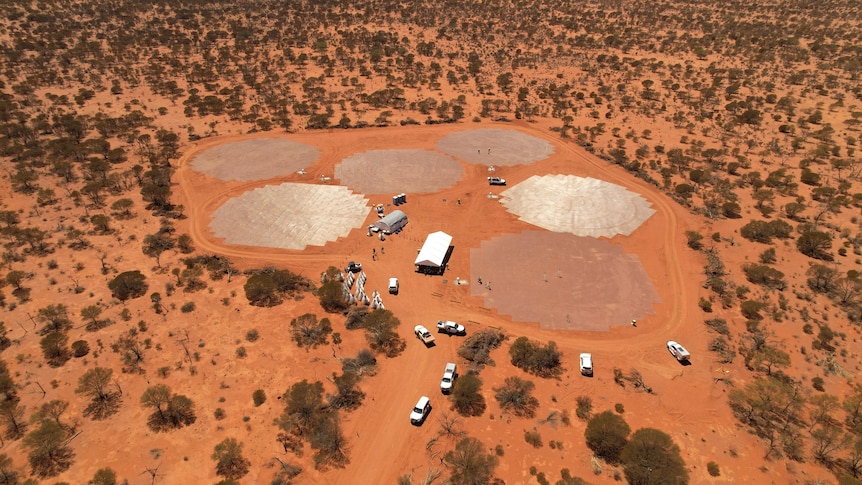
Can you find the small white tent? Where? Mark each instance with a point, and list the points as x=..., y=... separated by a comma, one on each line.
x=433, y=253
x=392, y=222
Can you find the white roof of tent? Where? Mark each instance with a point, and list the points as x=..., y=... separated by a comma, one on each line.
x=434, y=250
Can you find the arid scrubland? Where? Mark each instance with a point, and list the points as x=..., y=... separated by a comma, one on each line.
x=747, y=114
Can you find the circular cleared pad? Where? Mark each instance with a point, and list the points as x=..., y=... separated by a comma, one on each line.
x=387, y=171
x=561, y=281
x=581, y=206
x=257, y=159
x=495, y=147
x=289, y=216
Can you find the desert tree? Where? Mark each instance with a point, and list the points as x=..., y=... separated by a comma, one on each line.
x=815, y=244
x=104, y=476
x=828, y=439
x=770, y=406
x=52, y=411
x=304, y=407
x=822, y=278
x=307, y=331
x=768, y=357
x=380, y=333
x=104, y=397
x=363, y=364
x=8, y=389
x=260, y=290
x=49, y=451
x=331, y=295
x=229, y=460
x=516, y=396
x=156, y=244
x=172, y=411
x=123, y=208
x=55, y=318
x=349, y=396
x=478, y=346
x=55, y=349
x=543, y=361
x=466, y=397
x=651, y=457
x=470, y=464
x=330, y=443
x=607, y=434
x=8, y=474
x=131, y=352
x=128, y=285
x=12, y=418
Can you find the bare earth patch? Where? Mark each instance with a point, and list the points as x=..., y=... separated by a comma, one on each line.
x=289, y=216
x=257, y=159
x=397, y=171
x=581, y=206
x=562, y=281
x=495, y=147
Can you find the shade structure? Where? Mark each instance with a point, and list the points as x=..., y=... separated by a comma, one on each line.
x=433, y=253
x=392, y=222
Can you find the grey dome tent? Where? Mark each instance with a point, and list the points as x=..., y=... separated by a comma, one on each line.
x=392, y=222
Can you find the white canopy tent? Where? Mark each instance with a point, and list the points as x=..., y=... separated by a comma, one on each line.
x=433, y=253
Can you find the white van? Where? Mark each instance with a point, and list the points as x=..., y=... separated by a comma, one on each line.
x=393, y=286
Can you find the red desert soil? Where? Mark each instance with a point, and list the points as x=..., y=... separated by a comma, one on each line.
x=687, y=403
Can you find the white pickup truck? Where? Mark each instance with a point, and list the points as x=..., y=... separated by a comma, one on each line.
x=451, y=328
x=423, y=334
x=448, y=378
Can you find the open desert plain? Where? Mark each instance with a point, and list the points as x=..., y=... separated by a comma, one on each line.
x=203, y=205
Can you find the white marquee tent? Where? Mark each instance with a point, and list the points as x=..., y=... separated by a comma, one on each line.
x=433, y=252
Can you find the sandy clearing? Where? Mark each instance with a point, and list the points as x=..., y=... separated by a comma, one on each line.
x=581, y=206
x=401, y=448
x=256, y=159
x=398, y=171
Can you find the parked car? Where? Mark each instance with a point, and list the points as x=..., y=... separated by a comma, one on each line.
x=423, y=334
x=448, y=378
x=451, y=328
x=586, y=364
x=353, y=267
x=678, y=351
x=393, y=286
x=496, y=181
x=420, y=411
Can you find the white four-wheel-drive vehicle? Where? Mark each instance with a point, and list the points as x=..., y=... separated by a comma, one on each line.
x=451, y=328
x=448, y=378
x=678, y=351
x=393, y=286
x=420, y=411
x=586, y=364
x=496, y=181
x=423, y=334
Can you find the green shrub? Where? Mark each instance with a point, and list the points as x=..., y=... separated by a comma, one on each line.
x=188, y=307
x=533, y=438
x=712, y=468
x=606, y=434
x=532, y=357
x=259, y=397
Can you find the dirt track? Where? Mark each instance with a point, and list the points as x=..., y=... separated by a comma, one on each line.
x=383, y=443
